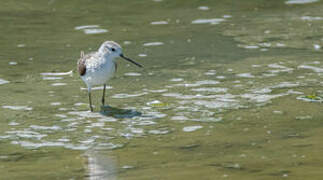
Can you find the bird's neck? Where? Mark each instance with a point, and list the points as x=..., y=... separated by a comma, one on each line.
x=102, y=50
x=109, y=57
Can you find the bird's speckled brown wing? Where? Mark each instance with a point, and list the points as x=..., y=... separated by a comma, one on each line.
x=81, y=67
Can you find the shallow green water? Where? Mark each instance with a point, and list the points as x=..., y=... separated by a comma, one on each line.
x=239, y=97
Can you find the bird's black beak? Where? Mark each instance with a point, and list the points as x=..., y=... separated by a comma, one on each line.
x=130, y=60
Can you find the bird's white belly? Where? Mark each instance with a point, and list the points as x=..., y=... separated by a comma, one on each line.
x=99, y=74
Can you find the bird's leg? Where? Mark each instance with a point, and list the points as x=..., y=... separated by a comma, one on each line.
x=103, y=94
x=90, y=100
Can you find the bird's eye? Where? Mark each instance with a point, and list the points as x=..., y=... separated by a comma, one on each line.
x=112, y=49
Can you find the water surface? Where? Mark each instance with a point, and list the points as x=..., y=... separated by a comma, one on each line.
x=229, y=90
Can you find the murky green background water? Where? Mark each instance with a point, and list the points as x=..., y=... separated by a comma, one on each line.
x=230, y=90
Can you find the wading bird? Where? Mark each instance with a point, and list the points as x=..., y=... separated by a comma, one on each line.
x=98, y=67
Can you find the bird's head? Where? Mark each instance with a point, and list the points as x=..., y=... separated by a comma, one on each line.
x=113, y=50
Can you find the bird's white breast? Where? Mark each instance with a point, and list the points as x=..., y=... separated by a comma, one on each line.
x=99, y=69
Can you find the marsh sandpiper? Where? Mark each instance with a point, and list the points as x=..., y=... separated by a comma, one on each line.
x=98, y=67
